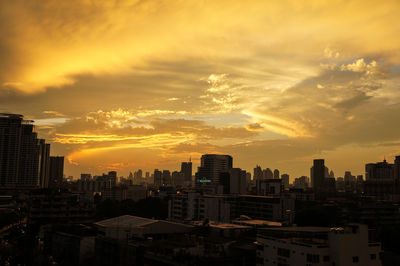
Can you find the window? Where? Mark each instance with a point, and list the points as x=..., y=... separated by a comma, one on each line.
x=313, y=258
x=372, y=256
x=355, y=259
x=284, y=252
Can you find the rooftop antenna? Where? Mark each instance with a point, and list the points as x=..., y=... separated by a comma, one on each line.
x=190, y=159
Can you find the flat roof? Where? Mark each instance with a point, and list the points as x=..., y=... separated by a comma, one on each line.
x=309, y=229
x=126, y=221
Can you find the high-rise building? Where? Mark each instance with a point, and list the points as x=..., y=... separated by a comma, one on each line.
x=186, y=169
x=157, y=177
x=258, y=173
x=380, y=170
x=19, y=152
x=44, y=163
x=166, y=178
x=56, y=171
x=285, y=181
x=177, y=178
x=212, y=165
x=267, y=174
x=276, y=174
x=318, y=174
x=237, y=181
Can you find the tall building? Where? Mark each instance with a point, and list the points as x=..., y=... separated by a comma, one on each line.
x=44, y=163
x=177, y=178
x=285, y=181
x=212, y=165
x=56, y=171
x=276, y=174
x=258, y=173
x=318, y=174
x=19, y=152
x=380, y=170
x=166, y=178
x=186, y=169
x=157, y=177
x=267, y=174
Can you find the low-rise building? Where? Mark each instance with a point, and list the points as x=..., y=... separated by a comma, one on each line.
x=297, y=246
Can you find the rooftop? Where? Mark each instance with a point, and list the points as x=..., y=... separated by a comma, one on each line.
x=126, y=221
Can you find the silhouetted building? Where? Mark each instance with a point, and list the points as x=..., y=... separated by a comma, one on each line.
x=285, y=181
x=177, y=178
x=186, y=169
x=157, y=178
x=44, y=164
x=381, y=180
x=20, y=152
x=212, y=165
x=56, y=171
x=166, y=178
x=318, y=174
x=276, y=174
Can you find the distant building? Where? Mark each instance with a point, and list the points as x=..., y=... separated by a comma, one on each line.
x=318, y=174
x=212, y=165
x=186, y=169
x=234, y=181
x=276, y=174
x=166, y=178
x=382, y=180
x=157, y=178
x=56, y=171
x=349, y=245
x=285, y=181
x=177, y=178
x=301, y=182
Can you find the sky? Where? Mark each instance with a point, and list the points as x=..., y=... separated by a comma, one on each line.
x=129, y=84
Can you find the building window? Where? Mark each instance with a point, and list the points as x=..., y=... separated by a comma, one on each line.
x=355, y=259
x=372, y=256
x=283, y=252
x=326, y=258
x=313, y=258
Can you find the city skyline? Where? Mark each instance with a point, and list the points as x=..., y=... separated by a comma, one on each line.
x=145, y=85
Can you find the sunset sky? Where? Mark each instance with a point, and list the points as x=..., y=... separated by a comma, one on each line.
x=123, y=85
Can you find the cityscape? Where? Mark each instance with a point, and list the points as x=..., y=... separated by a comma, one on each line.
x=217, y=214
x=174, y=133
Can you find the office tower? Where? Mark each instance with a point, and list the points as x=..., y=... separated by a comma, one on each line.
x=212, y=165
x=258, y=173
x=331, y=174
x=44, y=163
x=318, y=174
x=267, y=174
x=285, y=181
x=86, y=177
x=19, y=152
x=56, y=171
x=237, y=181
x=276, y=174
x=166, y=178
x=186, y=169
x=177, y=178
x=380, y=170
x=157, y=177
